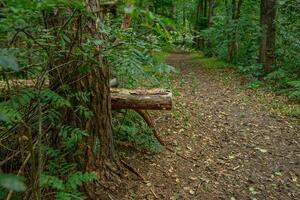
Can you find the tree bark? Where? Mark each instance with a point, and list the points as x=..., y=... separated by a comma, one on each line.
x=209, y=22
x=99, y=146
x=233, y=44
x=210, y=12
x=156, y=99
x=198, y=23
x=104, y=161
x=268, y=12
x=100, y=154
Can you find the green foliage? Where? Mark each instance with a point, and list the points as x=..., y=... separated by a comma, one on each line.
x=8, y=60
x=3, y=117
x=210, y=62
x=71, y=136
x=254, y=85
x=130, y=127
x=43, y=39
x=244, y=33
x=51, y=97
x=12, y=182
x=295, y=91
x=84, y=112
x=9, y=114
x=67, y=189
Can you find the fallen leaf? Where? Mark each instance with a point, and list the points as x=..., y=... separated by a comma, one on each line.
x=261, y=150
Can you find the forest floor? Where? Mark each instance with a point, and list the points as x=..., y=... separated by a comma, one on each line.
x=222, y=142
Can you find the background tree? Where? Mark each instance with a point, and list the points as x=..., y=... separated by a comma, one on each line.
x=268, y=38
x=233, y=37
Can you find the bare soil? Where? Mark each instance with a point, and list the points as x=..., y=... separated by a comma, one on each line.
x=221, y=143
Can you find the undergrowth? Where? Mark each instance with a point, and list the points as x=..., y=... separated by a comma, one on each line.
x=209, y=62
x=130, y=127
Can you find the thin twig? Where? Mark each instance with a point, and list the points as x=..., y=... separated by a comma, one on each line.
x=133, y=170
x=154, y=194
x=9, y=158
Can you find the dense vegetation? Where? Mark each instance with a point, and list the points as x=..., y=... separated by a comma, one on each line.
x=57, y=129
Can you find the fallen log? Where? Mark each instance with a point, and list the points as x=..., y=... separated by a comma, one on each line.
x=154, y=99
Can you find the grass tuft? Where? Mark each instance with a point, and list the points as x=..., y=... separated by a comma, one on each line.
x=209, y=62
x=161, y=56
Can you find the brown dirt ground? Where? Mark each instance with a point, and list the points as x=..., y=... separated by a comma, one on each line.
x=222, y=143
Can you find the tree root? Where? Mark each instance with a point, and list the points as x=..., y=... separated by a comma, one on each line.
x=133, y=171
x=145, y=115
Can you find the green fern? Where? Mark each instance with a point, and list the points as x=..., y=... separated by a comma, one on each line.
x=295, y=84
x=23, y=98
x=51, y=181
x=9, y=114
x=77, y=179
x=295, y=93
x=81, y=96
x=132, y=128
x=64, y=196
x=277, y=75
x=84, y=112
x=49, y=96
x=52, y=116
x=71, y=136
x=68, y=189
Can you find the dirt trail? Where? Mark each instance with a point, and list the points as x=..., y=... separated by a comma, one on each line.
x=228, y=145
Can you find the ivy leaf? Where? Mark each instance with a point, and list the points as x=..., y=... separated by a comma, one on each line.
x=4, y=118
x=12, y=182
x=8, y=61
x=129, y=9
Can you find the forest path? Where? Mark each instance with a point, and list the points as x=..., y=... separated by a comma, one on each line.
x=229, y=145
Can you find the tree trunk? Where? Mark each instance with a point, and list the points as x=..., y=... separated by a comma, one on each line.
x=210, y=12
x=205, y=8
x=103, y=161
x=233, y=44
x=101, y=157
x=209, y=23
x=268, y=13
x=198, y=23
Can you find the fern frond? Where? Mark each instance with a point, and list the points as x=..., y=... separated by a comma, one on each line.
x=84, y=112
x=49, y=96
x=71, y=136
x=82, y=96
x=77, y=179
x=52, y=181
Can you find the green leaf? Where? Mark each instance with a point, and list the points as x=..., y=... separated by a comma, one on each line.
x=78, y=179
x=12, y=182
x=8, y=61
x=62, y=196
x=52, y=181
x=4, y=118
